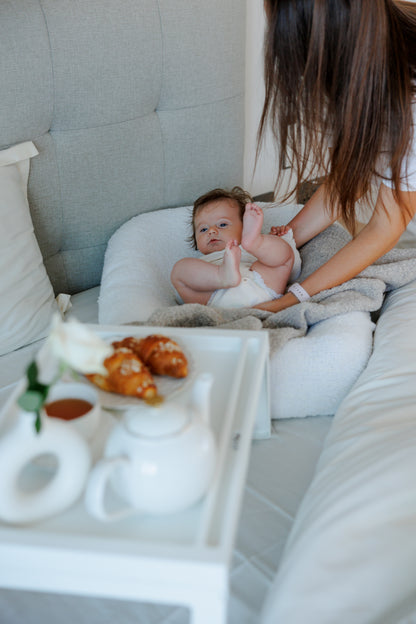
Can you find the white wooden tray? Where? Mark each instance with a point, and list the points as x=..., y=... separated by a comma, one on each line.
x=178, y=559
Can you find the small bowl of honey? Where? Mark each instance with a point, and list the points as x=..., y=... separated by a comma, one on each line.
x=76, y=403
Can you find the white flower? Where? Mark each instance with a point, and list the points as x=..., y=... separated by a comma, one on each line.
x=74, y=345
x=48, y=365
x=69, y=345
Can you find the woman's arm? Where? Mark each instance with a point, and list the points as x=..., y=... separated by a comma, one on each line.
x=381, y=233
x=314, y=217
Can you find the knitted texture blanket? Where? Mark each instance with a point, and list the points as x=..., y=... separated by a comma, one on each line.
x=365, y=292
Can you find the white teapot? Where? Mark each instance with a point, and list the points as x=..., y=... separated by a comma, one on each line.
x=159, y=459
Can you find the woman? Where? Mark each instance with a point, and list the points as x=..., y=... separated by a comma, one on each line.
x=340, y=79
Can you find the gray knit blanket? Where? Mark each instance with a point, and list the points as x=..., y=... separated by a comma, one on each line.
x=363, y=293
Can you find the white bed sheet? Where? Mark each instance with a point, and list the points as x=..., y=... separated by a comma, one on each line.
x=351, y=556
x=280, y=471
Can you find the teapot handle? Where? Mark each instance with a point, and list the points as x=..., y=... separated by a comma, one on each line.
x=96, y=487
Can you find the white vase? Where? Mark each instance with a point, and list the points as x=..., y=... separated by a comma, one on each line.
x=19, y=446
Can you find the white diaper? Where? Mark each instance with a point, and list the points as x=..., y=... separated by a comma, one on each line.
x=250, y=291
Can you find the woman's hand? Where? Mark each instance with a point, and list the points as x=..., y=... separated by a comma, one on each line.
x=276, y=305
x=279, y=230
x=315, y=216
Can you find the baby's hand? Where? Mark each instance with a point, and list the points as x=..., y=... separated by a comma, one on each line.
x=279, y=230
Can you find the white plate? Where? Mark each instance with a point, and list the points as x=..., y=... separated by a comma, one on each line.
x=167, y=387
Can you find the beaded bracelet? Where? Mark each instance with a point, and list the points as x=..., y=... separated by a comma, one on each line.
x=299, y=292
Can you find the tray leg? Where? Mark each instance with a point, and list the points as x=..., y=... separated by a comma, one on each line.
x=208, y=608
x=262, y=424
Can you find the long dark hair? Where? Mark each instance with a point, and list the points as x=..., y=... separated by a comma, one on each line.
x=340, y=72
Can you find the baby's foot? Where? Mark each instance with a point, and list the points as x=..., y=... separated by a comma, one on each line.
x=252, y=224
x=229, y=270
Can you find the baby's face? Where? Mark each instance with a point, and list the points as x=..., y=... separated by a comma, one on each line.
x=217, y=223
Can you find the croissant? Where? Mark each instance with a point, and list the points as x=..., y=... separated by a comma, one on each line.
x=161, y=354
x=127, y=375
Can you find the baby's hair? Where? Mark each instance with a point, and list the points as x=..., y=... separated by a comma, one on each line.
x=237, y=194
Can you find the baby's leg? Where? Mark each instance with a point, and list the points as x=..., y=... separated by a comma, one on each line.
x=274, y=255
x=266, y=247
x=229, y=270
x=252, y=223
x=196, y=280
x=277, y=277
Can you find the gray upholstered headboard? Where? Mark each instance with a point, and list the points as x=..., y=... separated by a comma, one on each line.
x=134, y=105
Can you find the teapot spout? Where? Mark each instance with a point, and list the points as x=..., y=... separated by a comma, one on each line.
x=201, y=396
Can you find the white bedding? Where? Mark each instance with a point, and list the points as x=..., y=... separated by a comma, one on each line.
x=351, y=556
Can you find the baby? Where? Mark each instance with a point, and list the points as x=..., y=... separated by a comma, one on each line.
x=240, y=266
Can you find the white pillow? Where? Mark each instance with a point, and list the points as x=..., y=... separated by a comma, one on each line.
x=140, y=256
x=26, y=296
x=309, y=375
x=138, y=262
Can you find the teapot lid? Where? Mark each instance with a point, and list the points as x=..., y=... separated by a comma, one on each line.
x=155, y=421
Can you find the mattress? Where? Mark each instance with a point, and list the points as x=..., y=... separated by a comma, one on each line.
x=279, y=474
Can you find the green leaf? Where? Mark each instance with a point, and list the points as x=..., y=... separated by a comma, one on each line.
x=43, y=391
x=32, y=374
x=38, y=423
x=31, y=401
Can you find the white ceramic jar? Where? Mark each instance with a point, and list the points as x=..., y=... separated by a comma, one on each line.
x=20, y=446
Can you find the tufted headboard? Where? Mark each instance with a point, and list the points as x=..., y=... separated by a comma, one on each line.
x=134, y=105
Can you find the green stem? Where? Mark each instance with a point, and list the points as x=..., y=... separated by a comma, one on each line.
x=38, y=422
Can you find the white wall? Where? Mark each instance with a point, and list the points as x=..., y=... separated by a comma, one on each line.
x=265, y=174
